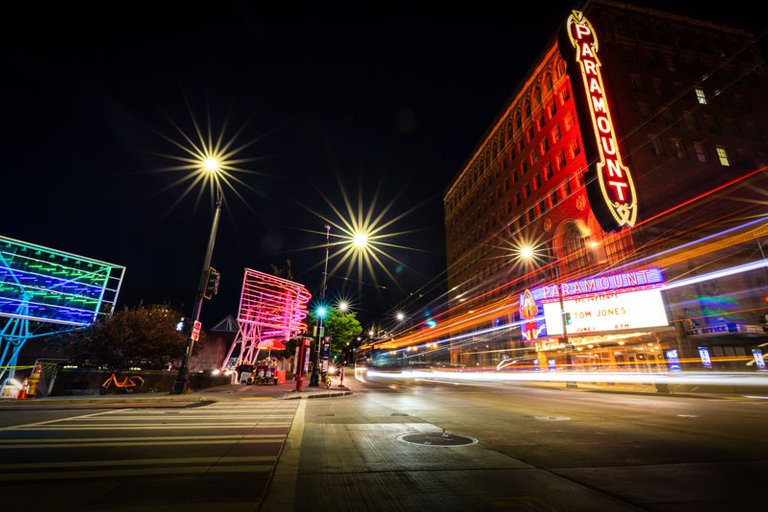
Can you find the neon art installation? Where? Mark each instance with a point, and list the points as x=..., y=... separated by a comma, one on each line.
x=49, y=287
x=271, y=308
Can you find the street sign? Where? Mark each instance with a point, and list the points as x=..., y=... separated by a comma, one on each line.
x=196, y=330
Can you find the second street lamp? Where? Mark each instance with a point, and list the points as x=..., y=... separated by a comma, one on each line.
x=181, y=384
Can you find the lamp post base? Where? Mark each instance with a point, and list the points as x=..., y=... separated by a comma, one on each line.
x=179, y=387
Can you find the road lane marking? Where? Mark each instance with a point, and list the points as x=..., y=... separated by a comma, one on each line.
x=138, y=462
x=153, y=426
x=175, y=470
x=85, y=440
x=138, y=443
x=27, y=425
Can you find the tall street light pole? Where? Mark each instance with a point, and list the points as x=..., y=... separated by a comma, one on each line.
x=181, y=384
x=315, y=378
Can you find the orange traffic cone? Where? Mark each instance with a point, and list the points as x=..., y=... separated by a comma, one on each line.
x=22, y=395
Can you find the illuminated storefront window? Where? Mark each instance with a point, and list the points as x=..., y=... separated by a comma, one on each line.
x=722, y=155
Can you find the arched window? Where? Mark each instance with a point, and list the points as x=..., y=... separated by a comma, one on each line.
x=537, y=96
x=518, y=122
x=574, y=248
x=495, y=147
x=502, y=138
x=527, y=108
x=548, y=82
x=560, y=69
x=510, y=127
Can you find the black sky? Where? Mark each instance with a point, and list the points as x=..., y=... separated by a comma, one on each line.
x=395, y=101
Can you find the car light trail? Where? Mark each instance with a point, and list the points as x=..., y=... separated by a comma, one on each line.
x=722, y=378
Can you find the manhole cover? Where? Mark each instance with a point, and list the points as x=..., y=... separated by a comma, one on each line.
x=552, y=418
x=437, y=439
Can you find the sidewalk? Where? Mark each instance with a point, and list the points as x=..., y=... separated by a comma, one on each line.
x=286, y=391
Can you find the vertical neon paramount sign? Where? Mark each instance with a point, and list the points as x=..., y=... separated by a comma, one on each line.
x=612, y=194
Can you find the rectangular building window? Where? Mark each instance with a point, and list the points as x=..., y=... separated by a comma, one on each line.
x=561, y=159
x=701, y=154
x=556, y=133
x=637, y=83
x=657, y=148
x=690, y=121
x=542, y=121
x=534, y=157
x=544, y=145
x=671, y=64
x=568, y=189
x=527, y=190
x=566, y=94
x=552, y=109
x=701, y=97
x=668, y=116
x=679, y=148
x=568, y=121
x=722, y=155
x=711, y=124
x=575, y=148
x=531, y=133
x=553, y=197
x=548, y=173
x=537, y=181
x=518, y=199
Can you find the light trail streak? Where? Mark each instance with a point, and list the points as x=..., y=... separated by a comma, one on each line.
x=688, y=378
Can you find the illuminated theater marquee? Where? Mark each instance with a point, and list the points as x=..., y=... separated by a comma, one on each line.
x=612, y=302
x=612, y=194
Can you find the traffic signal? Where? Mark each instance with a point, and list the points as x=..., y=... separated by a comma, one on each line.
x=211, y=283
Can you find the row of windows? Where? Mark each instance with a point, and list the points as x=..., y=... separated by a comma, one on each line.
x=527, y=161
x=744, y=128
x=536, y=182
x=512, y=128
x=680, y=150
x=670, y=34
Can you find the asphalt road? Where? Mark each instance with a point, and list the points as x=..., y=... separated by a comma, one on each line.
x=538, y=450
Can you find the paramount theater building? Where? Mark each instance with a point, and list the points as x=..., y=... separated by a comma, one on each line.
x=614, y=213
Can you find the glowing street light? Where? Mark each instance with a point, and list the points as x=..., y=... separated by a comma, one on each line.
x=343, y=306
x=400, y=316
x=360, y=240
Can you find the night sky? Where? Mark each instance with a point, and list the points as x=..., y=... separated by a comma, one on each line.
x=393, y=102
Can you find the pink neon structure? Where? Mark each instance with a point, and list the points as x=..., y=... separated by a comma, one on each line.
x=271, y=308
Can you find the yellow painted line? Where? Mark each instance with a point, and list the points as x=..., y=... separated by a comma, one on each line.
x=175, y=470
x=86, y=440
x=139, y=462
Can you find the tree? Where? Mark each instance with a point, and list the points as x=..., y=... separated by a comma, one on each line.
x=341, y=327
x=140, y=337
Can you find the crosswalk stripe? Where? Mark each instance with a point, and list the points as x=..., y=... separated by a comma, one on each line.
x=107, y=442
x=175, y=470
x=137, y=462
x=152, y=426
x=85, y=440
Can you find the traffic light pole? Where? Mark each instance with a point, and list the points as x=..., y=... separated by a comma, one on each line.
x=181, y=384
x=314, y=380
